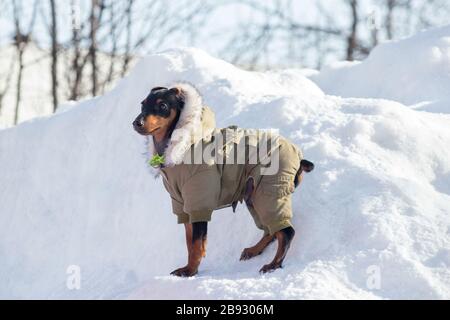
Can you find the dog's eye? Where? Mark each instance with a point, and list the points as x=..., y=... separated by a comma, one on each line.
x=164, y=107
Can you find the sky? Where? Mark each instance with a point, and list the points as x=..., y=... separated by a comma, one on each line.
x=228, y=18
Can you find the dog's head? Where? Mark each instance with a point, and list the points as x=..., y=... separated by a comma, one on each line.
x=160, y=111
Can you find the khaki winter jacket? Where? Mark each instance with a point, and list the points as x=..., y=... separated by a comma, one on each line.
x=207, y=168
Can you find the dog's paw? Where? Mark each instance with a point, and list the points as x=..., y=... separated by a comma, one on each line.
x=248, y=253
x=184, y=272
x=270, y=267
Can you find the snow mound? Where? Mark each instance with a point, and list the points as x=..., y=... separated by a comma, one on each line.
x=76, y=191
x=410, y=71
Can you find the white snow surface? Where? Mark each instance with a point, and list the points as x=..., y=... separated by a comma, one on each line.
x=413, y=71
x=75, y=190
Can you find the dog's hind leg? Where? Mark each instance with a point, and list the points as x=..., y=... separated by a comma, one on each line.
x=258, y=248
x=262, y=244
x=196, y=244
x=284, y=238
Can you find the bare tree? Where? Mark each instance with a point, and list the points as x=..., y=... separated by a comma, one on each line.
x=405, y=17
x=352, y=41
x=74, y=74
x=114, y=41
x=346, y=32
x=127, y=54
x=374, y=29
x=54, y=53
x=390, y=5
x=95, y=19
x=21, y=40
x=156, y=22
x=253, y=40
x=118, y=14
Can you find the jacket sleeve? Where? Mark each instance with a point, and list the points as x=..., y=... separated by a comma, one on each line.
x=201, y=194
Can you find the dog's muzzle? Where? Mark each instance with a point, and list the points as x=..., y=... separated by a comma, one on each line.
x=138, y=124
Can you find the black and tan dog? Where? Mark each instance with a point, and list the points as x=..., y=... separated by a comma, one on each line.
x=178, y=122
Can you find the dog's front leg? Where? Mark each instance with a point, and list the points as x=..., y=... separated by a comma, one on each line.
x=196, y=244
x=188, y=229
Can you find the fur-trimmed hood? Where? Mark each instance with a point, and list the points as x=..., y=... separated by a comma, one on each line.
x=196, y=122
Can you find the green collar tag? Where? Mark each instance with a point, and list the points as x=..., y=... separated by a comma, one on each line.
x=156, y=161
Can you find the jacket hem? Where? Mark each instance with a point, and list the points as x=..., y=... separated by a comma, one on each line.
x=182, y=218
x=200, y=217
x=279, y=225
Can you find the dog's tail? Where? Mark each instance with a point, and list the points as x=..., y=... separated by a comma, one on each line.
x=306, y=166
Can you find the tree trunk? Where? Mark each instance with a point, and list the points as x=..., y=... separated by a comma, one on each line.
x=127, y=54
x=76, y=68
x=113, y=53
x=54, y=53
x=20, y=52
x=389, y=18
x=352, y=38
x=93, y=47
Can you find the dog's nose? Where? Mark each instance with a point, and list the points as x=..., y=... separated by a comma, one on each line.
x=137, y=123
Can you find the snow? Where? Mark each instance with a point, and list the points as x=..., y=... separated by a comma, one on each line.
x=410, y=71
x=75, y=189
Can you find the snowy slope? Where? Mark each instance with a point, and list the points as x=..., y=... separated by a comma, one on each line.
x=413, y=71
x=75, y=190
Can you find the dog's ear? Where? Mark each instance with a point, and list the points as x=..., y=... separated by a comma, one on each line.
x=157, y=89
x=176, y=91
x=179, y=95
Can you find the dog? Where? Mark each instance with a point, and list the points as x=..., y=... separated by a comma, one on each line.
x=172, y=117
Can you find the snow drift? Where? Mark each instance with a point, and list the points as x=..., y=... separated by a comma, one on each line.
x=413, y=71
x=75, y=190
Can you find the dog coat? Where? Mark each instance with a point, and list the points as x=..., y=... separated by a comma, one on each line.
x=234, y=170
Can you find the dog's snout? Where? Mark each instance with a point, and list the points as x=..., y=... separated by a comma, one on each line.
x=138, y=122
